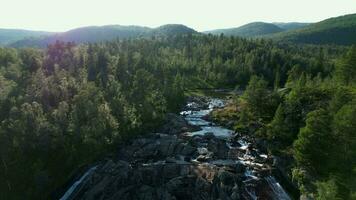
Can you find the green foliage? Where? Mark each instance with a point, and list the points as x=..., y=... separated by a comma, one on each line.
x=305, y=96
x=6, y=86
x=300, y=177
x=344, y=126
x=91, y=120
x=327, y=190
x=278, y=129
x=261, y=103
x=313, y=123
x=346, y=68
x=341, y=96
x=26, y=135
x=77, y=102
x=314, y=144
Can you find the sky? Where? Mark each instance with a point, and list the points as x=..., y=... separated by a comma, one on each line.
x=202, y=15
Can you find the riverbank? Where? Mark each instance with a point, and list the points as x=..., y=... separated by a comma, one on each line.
x=229, y=117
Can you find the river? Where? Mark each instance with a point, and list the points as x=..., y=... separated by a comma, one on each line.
x=251, y=158
x=257, y=181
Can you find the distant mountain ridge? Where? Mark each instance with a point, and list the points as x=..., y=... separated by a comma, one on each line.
x=104, y=33
x=259, y=29
x=170, y=29
x=290, y=25
x=337, y=30
x=8, y=36
x=255, y=29
x=333, y=31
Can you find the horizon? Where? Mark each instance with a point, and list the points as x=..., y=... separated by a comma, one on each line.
x=273, y=22
x=147, y=26
x=199, y=15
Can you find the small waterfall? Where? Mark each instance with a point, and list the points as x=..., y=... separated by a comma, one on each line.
x=277, y=189
x=196, y=117
x=70, y=191
x=251, y=162
x=252, y=194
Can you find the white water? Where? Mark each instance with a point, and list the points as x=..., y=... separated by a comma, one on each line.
x=70, y=191
x=216, y=130
x=196, y=118
x=277, y=188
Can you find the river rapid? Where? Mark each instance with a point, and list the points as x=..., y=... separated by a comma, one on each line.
x=258, y=183
x=197, y=160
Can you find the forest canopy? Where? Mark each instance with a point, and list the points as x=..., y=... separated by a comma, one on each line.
x=78, y=101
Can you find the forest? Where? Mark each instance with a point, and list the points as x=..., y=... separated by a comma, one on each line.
x=65, y=106
x=309, y=120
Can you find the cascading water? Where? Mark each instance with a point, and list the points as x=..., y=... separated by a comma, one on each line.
x=71, y=190
x=223, y=151
x=195, y=116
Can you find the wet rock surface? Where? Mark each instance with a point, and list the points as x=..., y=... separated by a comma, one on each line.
x=184, y=161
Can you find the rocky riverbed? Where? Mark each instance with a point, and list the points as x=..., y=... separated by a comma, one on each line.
x=190, y=158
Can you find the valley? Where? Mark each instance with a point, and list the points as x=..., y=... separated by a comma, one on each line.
x=266, y=110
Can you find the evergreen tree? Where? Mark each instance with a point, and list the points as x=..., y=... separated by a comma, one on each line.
x=346, y=67
x=327, y=190
x=313, y=147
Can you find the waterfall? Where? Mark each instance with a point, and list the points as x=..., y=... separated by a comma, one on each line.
x=277, y=189
x=70, y=191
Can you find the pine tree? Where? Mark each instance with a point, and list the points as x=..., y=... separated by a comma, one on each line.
x=313, y=146
x=346, y=67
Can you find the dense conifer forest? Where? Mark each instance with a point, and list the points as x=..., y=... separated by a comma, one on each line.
x=65, y=106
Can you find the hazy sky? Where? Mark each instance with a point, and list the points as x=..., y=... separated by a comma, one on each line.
x=62, y=15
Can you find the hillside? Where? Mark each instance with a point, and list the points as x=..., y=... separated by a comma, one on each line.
x=339, y=30
x=171, y=29
x=291, y=25
x=255, y=29
x=8, y=36
x=103, y=33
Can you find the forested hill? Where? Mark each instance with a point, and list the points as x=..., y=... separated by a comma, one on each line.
x=171, y=29
x=103, y=33
x=291, y=25
x=339, y=30
x=334, y=31
x=8, y=36
x=255, y=29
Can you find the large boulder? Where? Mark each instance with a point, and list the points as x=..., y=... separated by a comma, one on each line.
x=147, y=152
x=219, y=148
x=185, y=149
x=176, y=124
x=181, y=186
